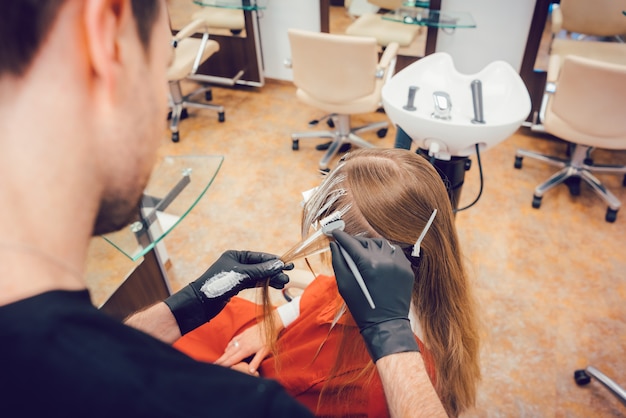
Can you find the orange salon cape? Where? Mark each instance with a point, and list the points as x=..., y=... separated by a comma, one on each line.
x=303, y=368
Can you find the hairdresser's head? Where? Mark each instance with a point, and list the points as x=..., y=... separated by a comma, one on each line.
x=25, y=24
x=91, y=77
x=388, y=193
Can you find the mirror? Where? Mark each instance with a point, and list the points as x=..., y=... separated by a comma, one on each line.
x=233, y=25
x=227, y=22
x=343, y=14
x=543, y=53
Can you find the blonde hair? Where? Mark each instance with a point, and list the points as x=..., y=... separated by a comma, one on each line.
x=391, y=193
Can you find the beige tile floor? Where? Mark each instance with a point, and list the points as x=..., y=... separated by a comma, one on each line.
x=551, y=283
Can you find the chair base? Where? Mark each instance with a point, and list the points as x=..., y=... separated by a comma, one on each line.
x=578, y=167
x=180, y=102
x=583, y=377
x=342, y=135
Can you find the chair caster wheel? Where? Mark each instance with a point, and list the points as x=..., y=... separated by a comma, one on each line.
x=518, y=162
x=624, y=181
x=183, y=115
x=175, y=137
x=330, y=122
x=221, y=117
x=581, y=377
x=611, y=215
x=536, y=202
x=381, y=133
x=208, y=95
x=235, y=31
x=573, y=184
x=295, y=144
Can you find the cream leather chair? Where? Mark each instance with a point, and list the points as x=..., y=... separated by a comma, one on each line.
x=599, y=18
x=590, y=22
x=369, y=23
x=189, y=54
x=340, y=75
x=385, y=31
x=222, y=18
x=586, y=109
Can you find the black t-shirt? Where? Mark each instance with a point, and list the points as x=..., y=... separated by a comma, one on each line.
x=61, y=357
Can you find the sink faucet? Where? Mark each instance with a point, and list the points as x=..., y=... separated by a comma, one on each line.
x=477, y=100
x=443, y=105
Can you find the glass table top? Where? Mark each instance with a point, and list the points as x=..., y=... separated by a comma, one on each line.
x=176, y=185
x=234, y=4
x=432, y=18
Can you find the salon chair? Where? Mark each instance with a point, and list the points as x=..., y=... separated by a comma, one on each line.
x=588, y=25
x=585, y=108
x=371, y=24
x=189, y=54
x=222, y=18
x=340, y=75
x=584, y=18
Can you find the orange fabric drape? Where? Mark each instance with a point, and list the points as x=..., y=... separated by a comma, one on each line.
x=303, y=367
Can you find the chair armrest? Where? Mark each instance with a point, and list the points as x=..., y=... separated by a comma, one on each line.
x=557, y=19
x=194, y=26
x=390, y=53
x=554, y=68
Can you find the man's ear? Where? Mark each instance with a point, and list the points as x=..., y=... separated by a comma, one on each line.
x=105, y=26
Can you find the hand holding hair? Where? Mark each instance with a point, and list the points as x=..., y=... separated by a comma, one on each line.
x=198, y=302
x=388, y=276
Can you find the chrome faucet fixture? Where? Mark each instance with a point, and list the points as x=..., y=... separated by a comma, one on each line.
x=443, y=105
x=410, y=103
x=477, y=100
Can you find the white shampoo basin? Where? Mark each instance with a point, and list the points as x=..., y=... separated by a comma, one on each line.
x=506, y=104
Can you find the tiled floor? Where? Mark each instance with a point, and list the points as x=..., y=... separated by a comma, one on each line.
x=551, y=283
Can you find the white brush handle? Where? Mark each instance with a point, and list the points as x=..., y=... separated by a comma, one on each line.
x=357, y=276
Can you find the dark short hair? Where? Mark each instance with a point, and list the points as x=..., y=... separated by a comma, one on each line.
x=24, y=24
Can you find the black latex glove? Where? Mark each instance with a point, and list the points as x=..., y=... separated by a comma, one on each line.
x=389, y=279
x=234, y=271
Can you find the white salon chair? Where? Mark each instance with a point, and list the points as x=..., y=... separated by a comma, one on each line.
x=586, y=109
x=340, y=75
x=451, y=116
x=189, y=54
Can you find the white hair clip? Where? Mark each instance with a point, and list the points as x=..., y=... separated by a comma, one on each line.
x=416, y=247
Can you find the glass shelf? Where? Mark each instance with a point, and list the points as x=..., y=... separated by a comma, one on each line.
x=234, y=4
x=431, y=18
x=424, y=4
x=175, y=186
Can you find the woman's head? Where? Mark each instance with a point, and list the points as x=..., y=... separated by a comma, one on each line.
x=388, y=193
x=391, y=193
